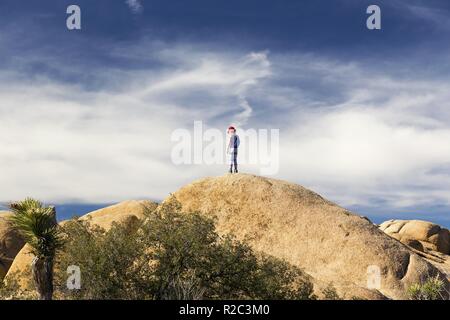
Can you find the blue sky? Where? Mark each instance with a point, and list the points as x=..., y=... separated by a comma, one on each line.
x=364, y=116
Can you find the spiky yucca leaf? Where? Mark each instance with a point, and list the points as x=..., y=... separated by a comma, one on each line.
x=37, y=225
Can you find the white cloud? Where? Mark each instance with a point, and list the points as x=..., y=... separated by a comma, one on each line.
x=352, y=133
x=64, y=142
x=380, y=142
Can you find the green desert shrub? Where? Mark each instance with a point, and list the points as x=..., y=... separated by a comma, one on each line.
x=107, y=260
x=172, y=255
x=432, y=289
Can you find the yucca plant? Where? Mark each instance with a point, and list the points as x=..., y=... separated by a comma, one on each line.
x=432, y=289
x=37, y=225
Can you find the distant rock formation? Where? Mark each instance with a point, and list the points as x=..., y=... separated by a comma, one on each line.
x=430, y=236
x=430, y=240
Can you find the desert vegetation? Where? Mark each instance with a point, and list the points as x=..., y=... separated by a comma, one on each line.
x=141, y=250
x=37, y=225
x=167, y=255
x=431, y=289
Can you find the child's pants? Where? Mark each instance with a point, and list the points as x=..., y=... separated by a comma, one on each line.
x=233, y=158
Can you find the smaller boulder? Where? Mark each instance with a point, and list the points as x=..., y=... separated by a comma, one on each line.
x=105, y=217
x=431, y=236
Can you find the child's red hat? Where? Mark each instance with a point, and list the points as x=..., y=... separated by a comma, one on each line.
x=231, y=128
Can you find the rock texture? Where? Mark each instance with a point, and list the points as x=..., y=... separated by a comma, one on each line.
x=119, y=212
x=103, y=218
x=293, y=223
x=10, y=244
x=430, y=240
x=431, y=236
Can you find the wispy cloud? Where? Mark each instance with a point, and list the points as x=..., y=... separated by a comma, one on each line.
x=426, y=12
x=378, y=139
x=260, y=62
x=354, y=138
x=135, y=5
x=76, y=144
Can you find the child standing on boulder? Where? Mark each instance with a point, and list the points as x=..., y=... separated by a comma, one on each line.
x=232, y=149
